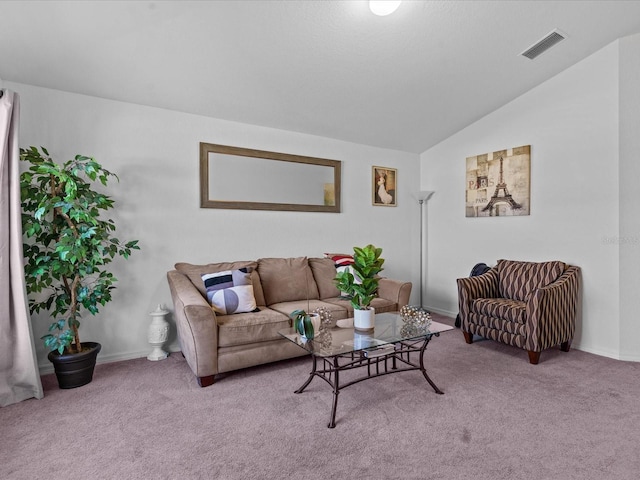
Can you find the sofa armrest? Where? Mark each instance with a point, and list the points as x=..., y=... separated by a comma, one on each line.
x=470, y=288
x=395, y=290
x=552, y=311
x=196, y=325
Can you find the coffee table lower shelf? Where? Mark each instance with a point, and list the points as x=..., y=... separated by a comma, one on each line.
x=376, y=362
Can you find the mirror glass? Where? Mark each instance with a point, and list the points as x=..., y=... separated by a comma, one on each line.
x=232, y=177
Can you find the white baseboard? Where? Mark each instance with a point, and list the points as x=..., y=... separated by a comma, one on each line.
x=607, y=353
x=602, y=353
x=446, y=313
x=47, y=368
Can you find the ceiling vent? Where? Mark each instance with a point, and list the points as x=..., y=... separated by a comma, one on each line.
x=544, y=44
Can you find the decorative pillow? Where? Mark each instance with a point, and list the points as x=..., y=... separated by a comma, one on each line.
x=230, y=291
x=340, y=258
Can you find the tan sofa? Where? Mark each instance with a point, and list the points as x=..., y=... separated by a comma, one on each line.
x=214, y=343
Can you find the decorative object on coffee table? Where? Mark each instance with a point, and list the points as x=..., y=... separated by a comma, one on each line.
x=326, y=319
x=306, y=324
x=413, y=315
x=158, y=333
x=366, y=266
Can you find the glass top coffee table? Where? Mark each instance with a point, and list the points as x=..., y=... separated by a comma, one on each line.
x=386, y=350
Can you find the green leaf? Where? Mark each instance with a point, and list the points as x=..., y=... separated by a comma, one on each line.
x=297, y=313
x=308, y=327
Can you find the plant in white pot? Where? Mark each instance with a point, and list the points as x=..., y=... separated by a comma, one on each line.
x=306, y=324
x=361, y=286
x=67, y=249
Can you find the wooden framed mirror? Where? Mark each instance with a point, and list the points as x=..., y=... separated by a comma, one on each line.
x=242, y=178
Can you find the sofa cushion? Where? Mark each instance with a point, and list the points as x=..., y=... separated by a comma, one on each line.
x=499, y=329
x=517, y=280
x=230, y=291
x=254, y=327
x=338, y=312
x=195, y=272
x=324, y=273
x=287, y=279
x=512, y=310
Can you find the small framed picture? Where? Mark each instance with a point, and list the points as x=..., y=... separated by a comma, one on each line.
x=384, y=183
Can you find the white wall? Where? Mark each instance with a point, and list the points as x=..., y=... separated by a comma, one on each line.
x=572, y=125
x=629, y=195
x=155, y=154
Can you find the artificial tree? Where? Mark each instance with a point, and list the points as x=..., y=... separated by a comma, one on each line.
x=68, y=242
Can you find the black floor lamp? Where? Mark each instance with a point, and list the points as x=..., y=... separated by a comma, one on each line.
x=423, y=197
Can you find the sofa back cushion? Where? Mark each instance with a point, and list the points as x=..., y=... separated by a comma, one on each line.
x=324, y=272
x=287, y=279
x=518, y=279
x=195, y=272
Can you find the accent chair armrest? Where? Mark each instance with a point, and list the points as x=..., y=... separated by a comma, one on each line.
x=552, y=311
x=481, y=286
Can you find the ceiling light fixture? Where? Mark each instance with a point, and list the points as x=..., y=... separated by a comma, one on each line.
x=383, y=7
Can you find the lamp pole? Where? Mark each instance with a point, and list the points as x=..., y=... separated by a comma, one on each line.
x=424, y=196
x=421, y=202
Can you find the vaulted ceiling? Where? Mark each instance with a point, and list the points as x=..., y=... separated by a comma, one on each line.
x=329, y=68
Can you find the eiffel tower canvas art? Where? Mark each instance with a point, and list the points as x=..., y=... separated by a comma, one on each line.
x=498, y=183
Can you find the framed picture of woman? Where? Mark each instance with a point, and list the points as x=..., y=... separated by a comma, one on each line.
x=384, y=182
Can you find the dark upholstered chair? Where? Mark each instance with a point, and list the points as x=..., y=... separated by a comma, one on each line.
x=528, y=305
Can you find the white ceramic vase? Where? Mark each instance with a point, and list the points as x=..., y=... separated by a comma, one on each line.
x=316, y=321
x=364, y=320
x=158, y=334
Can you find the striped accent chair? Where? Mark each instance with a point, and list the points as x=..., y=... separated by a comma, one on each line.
x=528, y=305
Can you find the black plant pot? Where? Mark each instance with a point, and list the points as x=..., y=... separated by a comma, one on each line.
x=75, y=369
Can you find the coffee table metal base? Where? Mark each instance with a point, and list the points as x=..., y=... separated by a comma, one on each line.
x=376, y=366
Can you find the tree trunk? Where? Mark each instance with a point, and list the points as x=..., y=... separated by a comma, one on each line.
x=74, y=309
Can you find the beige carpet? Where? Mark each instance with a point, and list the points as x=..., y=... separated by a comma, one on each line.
x=573, y=416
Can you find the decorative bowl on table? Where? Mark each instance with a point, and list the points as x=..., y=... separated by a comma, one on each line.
x=415, y=316
x=326, y=318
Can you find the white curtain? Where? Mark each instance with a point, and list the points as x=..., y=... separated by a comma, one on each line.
x=19, y=377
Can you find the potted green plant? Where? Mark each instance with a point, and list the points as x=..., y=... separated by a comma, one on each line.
x=362, y=287
x=306, y=324
x=67, y=250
